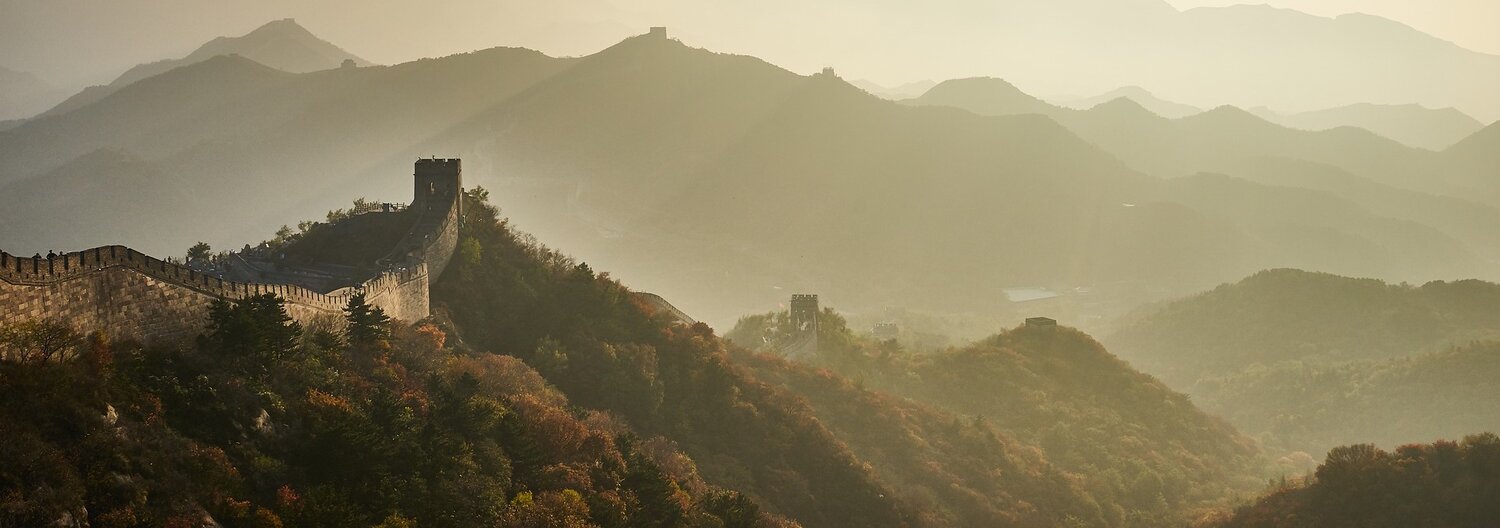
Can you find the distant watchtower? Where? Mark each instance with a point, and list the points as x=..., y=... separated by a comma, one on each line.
x=805, y=313
x=1041, y=322
x=804, y=319
x=658, y=32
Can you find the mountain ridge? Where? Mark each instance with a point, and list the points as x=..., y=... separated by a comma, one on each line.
x=281, y=44
x=24, y=94
x=652, y=149
x=1412, y=124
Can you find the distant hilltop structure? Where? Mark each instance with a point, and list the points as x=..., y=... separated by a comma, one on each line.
x=127, y=294
x=1041, y=322
x=804, y=319
x=659, y=32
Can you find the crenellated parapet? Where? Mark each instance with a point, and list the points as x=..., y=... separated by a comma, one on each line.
x=128, y=294
x=437, y=198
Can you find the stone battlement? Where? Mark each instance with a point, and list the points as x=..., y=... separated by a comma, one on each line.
x=128, y=294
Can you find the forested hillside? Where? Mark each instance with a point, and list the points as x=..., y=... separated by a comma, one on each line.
x=543, y=393
x=1281, y=315
x=1312, y=406
x=1362, y=486
x=1309, y=361
x=774, y=431
x=266, y=424
x=1129, y=438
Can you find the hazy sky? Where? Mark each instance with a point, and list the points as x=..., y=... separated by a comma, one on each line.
x=1473, y=24
x=76, y=41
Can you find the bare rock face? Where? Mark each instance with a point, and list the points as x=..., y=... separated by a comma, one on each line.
x=263, y=423
x=78, y=519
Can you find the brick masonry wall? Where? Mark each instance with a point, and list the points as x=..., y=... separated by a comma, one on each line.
x=129, y=295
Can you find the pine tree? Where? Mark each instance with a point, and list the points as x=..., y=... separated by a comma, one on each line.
x=367, y=324
x=254, y=332
x=199, y=252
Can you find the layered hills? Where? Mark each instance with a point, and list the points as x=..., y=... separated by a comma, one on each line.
x=1247, y=55
x=877, y=440
x=1147, y=100
x=764, y=179
x=1126, y=435
x=1414, y=125
x=1411, y=124
x=280, y=44
x=1309, y=361
x=24, y=94
x=1351, y=166
x=1290, y=314
x=1207, y=141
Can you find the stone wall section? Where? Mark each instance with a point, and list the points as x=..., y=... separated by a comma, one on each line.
x=129, y=295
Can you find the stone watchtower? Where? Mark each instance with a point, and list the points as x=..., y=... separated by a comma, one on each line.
x=437, y=180
x=805, y=313
x=804, y=319
x=437, y=198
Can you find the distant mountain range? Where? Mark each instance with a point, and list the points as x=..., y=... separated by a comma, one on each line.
x=1413, y=125
x=1287, y=59
x=1294, y=315
x=1147, y=100
x=904, y=91
x=1246, y=55
x=1227, y=139
x=752, y=180
x=280, y=44
x=1477, y=156
x=1317, y=360
x=24, y=95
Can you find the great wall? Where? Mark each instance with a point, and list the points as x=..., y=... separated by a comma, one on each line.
x=129, y=295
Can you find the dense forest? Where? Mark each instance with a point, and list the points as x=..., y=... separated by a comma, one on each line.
x=267, y=424
x=1143, y=450
x=1449, y=484
x=1311, y=407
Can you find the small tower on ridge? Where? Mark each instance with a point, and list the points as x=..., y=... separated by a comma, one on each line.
x=804, y=319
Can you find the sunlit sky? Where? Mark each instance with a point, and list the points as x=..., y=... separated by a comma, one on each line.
x=76, y=42
x=1473, y=24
